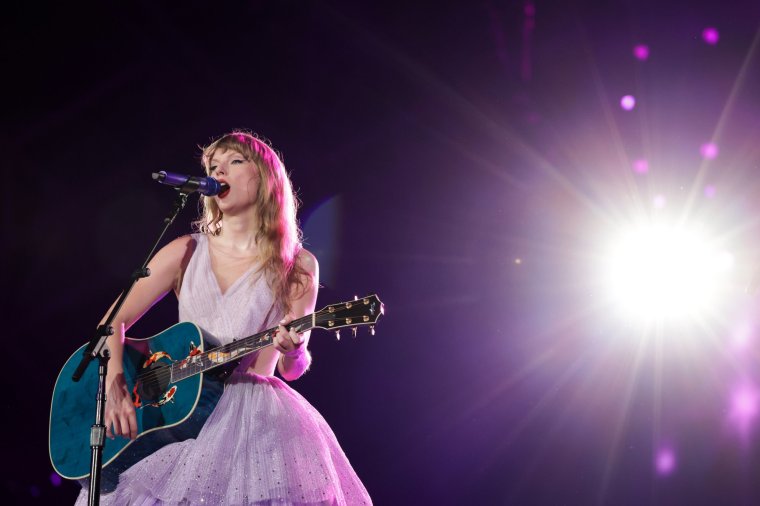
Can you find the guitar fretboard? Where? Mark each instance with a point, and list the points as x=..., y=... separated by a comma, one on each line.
x=215, y=357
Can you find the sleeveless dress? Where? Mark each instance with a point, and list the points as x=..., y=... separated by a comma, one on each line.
x=263, y=444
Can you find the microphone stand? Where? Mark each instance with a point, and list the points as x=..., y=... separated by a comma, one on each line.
x=97, y=348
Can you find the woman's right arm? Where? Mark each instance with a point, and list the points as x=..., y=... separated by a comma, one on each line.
x=165, y=271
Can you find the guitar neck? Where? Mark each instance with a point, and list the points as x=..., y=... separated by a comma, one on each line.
x=234, y=351
x=364, y=311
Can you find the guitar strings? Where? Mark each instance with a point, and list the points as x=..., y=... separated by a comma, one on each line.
x=160, y=373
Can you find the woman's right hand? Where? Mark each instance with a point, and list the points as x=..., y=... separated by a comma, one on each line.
x=120, y=412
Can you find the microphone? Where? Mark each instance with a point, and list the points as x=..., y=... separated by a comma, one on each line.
x=187, y=184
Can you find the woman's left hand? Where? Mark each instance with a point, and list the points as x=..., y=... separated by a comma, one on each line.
x=289, y=343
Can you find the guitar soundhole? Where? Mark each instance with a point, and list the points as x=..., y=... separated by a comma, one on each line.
x=152, y=382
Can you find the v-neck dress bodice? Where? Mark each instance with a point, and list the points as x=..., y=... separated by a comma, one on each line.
x=247, y=306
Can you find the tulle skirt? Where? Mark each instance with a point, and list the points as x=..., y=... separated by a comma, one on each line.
x=263, y=444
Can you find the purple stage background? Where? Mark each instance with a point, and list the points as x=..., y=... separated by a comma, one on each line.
x=460, y=159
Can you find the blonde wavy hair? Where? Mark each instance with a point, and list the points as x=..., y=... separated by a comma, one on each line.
x=278, y=238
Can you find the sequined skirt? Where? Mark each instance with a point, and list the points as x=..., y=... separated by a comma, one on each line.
x=263, y=444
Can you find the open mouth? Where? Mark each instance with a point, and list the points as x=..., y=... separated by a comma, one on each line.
x=226, y=191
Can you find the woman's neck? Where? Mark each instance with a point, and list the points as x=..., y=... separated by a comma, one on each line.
x=239, y=233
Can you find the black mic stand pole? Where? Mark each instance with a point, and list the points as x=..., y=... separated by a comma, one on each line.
x=98, y=348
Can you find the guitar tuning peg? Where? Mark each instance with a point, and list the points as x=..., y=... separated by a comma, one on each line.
x=372, y=330
x=337, y=335
x=353, y=330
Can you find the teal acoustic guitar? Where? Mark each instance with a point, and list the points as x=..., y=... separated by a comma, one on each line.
x=166, y=376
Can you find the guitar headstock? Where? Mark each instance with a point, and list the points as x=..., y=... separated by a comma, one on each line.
x=351, y=314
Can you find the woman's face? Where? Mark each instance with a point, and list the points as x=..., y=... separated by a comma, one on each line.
x=240, y=174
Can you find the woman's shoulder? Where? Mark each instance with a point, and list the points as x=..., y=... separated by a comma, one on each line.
x=182, y=243
x=307, y=261
x=178, y=251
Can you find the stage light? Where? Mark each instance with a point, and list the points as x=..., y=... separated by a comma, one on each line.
x=661, y=272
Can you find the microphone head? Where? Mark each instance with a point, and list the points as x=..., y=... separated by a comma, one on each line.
x=210, y=187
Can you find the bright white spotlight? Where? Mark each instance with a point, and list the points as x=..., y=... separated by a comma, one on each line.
x=660, y=272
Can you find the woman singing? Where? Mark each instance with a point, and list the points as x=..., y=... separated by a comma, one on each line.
x=243, y=272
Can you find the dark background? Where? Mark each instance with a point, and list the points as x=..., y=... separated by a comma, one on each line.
x=432, y=144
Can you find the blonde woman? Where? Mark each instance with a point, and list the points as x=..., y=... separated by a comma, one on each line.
x=243, y=272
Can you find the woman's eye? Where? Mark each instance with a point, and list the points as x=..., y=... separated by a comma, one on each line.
x=211, y=169
x=238, y=160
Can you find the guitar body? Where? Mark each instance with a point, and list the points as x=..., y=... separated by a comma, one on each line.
x=72, y=412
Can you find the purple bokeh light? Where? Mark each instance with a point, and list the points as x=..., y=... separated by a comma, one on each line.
x=641, y=52
x=665, y=461
x=710, y=191
x=659, y=201
x=710, y=35
x=628, y=102
x=709, y=150
x=55, y=479
x=744, y=407
x=640, y=166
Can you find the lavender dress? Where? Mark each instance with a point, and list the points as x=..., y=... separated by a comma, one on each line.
x=264, y=443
